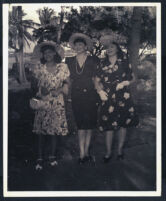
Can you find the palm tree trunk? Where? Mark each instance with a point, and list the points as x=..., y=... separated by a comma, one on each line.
x=60, y=25
x=134, y=44
x=21, y=69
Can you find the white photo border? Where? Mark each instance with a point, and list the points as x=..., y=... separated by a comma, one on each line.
x=7, y=193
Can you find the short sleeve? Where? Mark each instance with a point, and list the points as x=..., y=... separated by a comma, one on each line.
x=65, y=71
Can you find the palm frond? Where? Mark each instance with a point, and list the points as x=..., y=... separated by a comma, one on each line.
x=27, y=42
x=28, y=36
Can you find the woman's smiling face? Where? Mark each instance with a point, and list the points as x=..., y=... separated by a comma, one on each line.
x=49, y=55
x=112, y=50
x=80, y=47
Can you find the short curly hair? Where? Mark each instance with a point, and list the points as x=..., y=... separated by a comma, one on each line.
x=57, y=57
x=120, y=53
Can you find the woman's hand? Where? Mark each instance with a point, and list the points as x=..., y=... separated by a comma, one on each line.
x=122, y=85
x=98, y=85
x=119, y=86
x=103, y=95
x=56, y=92
x=35, y=103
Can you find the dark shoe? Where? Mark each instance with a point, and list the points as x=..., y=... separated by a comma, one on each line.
x=106, y=159
x=81, y=161
x=120, y=156
x=90, y=159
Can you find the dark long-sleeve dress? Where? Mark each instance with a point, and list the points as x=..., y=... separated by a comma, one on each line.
x=83, y=94
x=119, y=110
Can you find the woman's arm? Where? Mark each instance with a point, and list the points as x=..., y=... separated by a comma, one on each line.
x=98, y=85
x=127, y=76
x=99, y=88
x=66, y=86
x=63, y=90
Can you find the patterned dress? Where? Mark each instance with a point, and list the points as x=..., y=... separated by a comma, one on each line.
x=51, y=119
x=118, y=111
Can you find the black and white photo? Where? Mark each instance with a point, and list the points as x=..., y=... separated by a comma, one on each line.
x=82, y=99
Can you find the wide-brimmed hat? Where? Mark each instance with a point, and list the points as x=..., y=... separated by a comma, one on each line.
x=37, y=49
x=108, y=39
x=82, y=36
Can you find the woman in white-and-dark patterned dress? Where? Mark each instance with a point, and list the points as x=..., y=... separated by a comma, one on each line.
x=51, y=77
x=117, y=111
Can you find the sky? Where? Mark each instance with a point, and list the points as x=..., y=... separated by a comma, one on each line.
x=30, y=10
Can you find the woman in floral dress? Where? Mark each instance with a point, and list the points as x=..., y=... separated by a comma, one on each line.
x=52, y=78
x=117, y=110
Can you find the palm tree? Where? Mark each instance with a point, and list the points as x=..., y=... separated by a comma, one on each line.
x=45, y=15
x=19, y=37
x=51, y=25
x=48, y=25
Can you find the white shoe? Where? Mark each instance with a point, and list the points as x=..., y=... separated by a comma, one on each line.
x=53, y=163
x=38, y=167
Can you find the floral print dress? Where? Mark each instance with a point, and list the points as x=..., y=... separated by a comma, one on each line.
x=118, y=111
x=51, y=119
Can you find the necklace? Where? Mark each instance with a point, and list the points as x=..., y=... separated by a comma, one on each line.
x=82, y=68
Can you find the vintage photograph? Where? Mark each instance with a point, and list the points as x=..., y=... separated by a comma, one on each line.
x=82, y=99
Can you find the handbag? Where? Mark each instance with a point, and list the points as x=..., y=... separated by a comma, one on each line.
x=38, y=104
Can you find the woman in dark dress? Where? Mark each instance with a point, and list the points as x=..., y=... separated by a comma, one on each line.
x=83, y=94
x=117, y=110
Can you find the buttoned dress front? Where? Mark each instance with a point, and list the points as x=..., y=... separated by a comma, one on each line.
x=83, y=94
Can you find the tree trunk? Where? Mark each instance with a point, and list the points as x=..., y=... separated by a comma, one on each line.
x=60, y=25
x=21, y=69
x=135, y=38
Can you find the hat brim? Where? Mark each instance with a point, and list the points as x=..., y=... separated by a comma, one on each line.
x=107, y=40
x=37, y=49
x=88, y=41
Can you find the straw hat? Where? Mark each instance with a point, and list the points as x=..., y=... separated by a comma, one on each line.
x=107, y=39
x=37, y=54
x=82, y=36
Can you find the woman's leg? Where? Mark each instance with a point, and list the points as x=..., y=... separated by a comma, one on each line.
x=81, y=141
x=39, y=162
x=53, y=143
x=87, y=141
x=40, y=147
x=108, y=142
x=52, y=156
x=121, y=140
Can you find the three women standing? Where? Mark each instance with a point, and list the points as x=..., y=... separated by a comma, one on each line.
x=90, y=78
